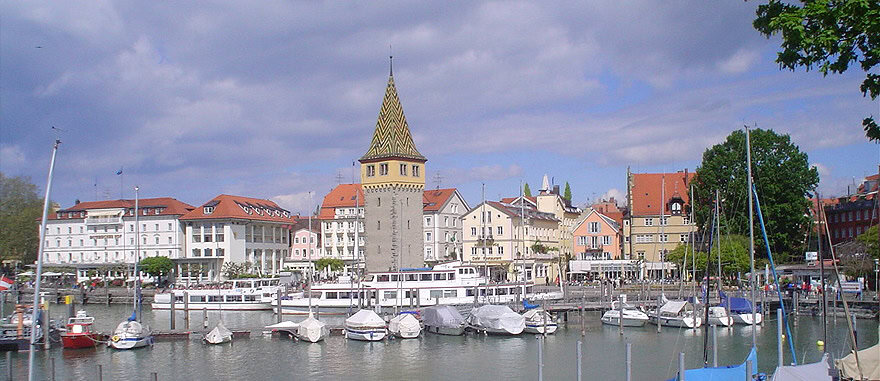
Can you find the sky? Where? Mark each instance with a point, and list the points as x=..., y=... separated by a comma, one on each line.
x=277, y=99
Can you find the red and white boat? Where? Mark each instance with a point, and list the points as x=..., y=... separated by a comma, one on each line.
x=79, y=332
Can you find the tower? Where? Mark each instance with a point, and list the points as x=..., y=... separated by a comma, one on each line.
x=393, y=179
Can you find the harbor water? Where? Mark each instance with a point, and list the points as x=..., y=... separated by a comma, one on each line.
x=435, y=357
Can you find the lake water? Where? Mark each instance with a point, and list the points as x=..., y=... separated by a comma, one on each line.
x=469, y=357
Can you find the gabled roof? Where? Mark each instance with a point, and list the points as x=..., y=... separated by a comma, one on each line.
x=515, y=200
x=648, y=188
x=343, y=196
x=168, y=206
x=433, y=200
x=392, y=138
x=240, y=207
x=586, y=215
x=514, y=211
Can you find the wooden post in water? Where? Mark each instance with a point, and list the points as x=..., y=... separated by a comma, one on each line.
x=748, y=370
x=51, y=369
x=68, y=300
x=46, y=342
x=186, y=310
x=204, y=317
x=278, y=300
x=681, y=365
x=620, y=316
x=629, y=361
x=779, y=336
x=579, y=359
x=100, y=373
x=540, y=357
x=9, y=365
x=172, y=311
x=659, y=300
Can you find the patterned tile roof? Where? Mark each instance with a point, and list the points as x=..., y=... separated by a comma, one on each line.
x=392, y=137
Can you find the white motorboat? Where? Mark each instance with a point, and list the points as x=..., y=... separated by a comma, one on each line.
x=219, y=335
x=312, y=330
x=496, y=319
x=741, y=310
x=240, y=294
x=632, y=316
x=539, y=321
x=130, y=334
x=672, y=314
x=718, y=316
x=443, y=320
x=746, y=318
x=365, y=325
x=405, y=326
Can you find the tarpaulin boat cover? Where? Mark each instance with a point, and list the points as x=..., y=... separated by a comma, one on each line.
x=723, y=373
x=817, y=371
x=498, y=317
x=737, y=305
x=365, y=318
x=404, y=323
x=442, y=316
x=869, y=358
x=219, y=334
x=672, y=307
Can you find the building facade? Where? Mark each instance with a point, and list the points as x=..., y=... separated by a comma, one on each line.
x=854, y=214
x=392, y=175
x=550, y=201
x=342, y=225
x=442, y=212
x=305, y=245
x=596, y=237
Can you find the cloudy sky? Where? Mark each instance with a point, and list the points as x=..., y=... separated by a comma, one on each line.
x=276, y=99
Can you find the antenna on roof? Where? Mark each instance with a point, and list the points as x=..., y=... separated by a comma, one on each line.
x=438, y=179
x=339, y=177
x=390, y=61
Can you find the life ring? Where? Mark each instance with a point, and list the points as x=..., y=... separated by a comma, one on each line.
x=115, y=338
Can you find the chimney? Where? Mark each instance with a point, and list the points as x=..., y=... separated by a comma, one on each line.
x=556, y=189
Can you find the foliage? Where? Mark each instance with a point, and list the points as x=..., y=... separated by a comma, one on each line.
x=539, y=248
x=734, y=257
x=20, y=210
x=527, y=191
x=567, y=193
x=334, y=264
x=232, y=270
x=827, y=35
x=782, y=176
x=869, y=239
x=156, y=266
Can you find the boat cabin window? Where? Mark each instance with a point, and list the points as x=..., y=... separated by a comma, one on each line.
x=315, y=295
x=450, y=293
x=436, y=294
x=383, y=278
x=411, y=294
x=501, y=291
x=197, y=298
x=331, y=295
x=390, y=294
x=424, y=277
x=215, y=298
x=469, y=292
x=178, y=298
x=411, y=277
x=233, y=298
x=371, y=278
x=77, y=328
x=440, y=276
x=344, y=295
x=450, y=276
x=250, y=298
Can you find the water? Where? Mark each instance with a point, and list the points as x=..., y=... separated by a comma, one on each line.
x=655, y=356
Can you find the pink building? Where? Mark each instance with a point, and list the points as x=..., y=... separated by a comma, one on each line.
x=596, y=236
x=299, y=244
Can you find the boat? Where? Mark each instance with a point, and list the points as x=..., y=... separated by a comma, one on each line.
x=284, y=326
x=312, y=330
x=445, y=284
x=79, y=332
x=365, y=325
x=672, y=314
x=632, y=316
x=864, y=364
x=732, y=372
x=741, y=310
x=405, y=326
x=496, y=319
x=443, y=320
x=539, y=321
x=219, y=335
x=130, y=334
x=817, y=371
x=718, y=316
x=252, y=294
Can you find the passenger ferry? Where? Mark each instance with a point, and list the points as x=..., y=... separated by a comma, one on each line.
x=243, y=294
x=445, y=284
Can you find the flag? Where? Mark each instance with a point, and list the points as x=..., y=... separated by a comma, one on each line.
x=119, y=172
x=6, y=283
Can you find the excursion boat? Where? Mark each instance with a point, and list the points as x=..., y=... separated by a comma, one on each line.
x=718, y=316
x=79, y=332
x=245, y=295
x=445, y=284
x=405, y=326
x=539, y=321
x=130, y=334
x=632, y=316
x=443, y=320
x=365, y=325
x=495, y=319
x=672, y=314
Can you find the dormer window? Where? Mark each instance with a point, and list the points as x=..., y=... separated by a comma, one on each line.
x=209, y=209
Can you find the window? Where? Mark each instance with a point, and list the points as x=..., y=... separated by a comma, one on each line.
x=157, y=240
x=664, y=237
x=649, y=222
x=429, y=253
x=209, y=209
x=446, y=221
x=383, y=169
x=378, y=225
x=473, y=232
x=581, y=240
x=428, y=237
x=169, y=226
x=427, y=221
x=682, y=237
x=415, y=171
x=686, y=221
x=500, y=250
x=606, y=239
x=665, y=220
x=371, y=170
x=69, y=230
x=641, y=255
x=594, y=227
x=197, y=252
x=131, y=228
x=403, y=169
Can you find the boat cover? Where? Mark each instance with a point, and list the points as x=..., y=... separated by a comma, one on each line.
x=672, y=307
x=220, y=334
x=737, y=305
x=528, y=305
x=817, y=371
x=870, y=362
x=498, y=317
x=312, y=328
x=283, y=325
x=536, y=315
x=404, y=323
x=723, y=373
x=442, y=316
x=130, y=328
x=364, y=318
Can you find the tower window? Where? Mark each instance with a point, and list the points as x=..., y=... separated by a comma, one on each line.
x=371, y=170
x=415, y=171
x=383, y=169
x=403, y=169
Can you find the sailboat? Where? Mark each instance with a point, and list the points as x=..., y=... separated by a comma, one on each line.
x=131, y=333
x=632, y=316
x=539, y=321
x=311, y=329
x=219, y=335
x=405, y=326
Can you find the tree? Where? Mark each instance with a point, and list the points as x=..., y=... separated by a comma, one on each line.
x=567, y=193
x=333, y=264
x=20, y=210
x=828, y=35
x=782, y=176
x=869, y=239
x=734, y=257
x=527, y=191
x=156, y=266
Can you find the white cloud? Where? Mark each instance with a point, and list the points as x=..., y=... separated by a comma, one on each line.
x=739, y=62
x=619, y=196
x=12, y=159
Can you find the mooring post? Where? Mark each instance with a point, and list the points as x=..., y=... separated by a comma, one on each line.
x=100, y=373
x=204, y=317
x=659, y=301
x=173, y=315
x=763, y=307
x=680, y=366
x=46, y=342
x=620, y=315
x=186, y=310
x=628, y=361
x=579, y=359
x=715, y=345
x=748, y=370
x=51, y=369
x=779, y=336
x=855, y=330
x=68, y=300
x=540, y=357
x=154, y=376
x=278, y=298
x=9, y=365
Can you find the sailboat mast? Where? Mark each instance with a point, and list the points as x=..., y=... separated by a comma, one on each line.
x=819, y=209
x=718, y=228
x=483, y=237
x=693, y=247
x=522, y=231
x=39, y=274
x=137, y=251
x=752, y=239
x=311, y=268
x=708, y=275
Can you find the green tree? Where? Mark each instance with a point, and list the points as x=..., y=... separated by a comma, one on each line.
x=527, y=191
x=567, y=193
x=20, y=210
x=783, y=177
x=869, y=239
x=734, y=257
x=156, y=266
x=333, y=264
x=827, y=35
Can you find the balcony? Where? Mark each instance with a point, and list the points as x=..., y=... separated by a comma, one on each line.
x=104, y=220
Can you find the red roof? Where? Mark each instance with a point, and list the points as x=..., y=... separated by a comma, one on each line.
x=648, y=188
x=167, y=206
x=513, y=200
x=343, y=196
x=434, y=199
x=239, y=207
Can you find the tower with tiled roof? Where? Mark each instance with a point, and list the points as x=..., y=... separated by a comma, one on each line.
x=393, y=178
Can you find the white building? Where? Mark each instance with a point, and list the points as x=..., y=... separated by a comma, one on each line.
x=442, y=212
x=234, y=229
x=342, y=211
x=101, y=235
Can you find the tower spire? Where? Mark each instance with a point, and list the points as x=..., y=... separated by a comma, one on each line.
x=390, y=61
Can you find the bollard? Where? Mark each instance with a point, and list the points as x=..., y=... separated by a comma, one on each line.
x=186, y=310
x=629, y=362
x=205, y=317
x=278, y=298
x=51, y=369
x=714, y=345
x=763, y=308
x=680, y=366
x=540, y=357
x=620, y=316
x=9, y=365
x=579, y=355
x=748, y=370
x=779, y=336
x=154, y=376
x=68, y=300
x=173, y=314
x=46, y=341
x=100, y=373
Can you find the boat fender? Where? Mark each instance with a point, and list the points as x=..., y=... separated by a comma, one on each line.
x=115, y=338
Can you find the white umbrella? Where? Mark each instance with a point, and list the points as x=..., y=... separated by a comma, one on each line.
x=26, y=273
